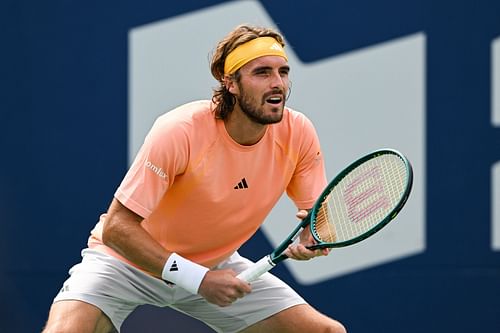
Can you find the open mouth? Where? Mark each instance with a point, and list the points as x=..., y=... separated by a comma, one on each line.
x=275, y=100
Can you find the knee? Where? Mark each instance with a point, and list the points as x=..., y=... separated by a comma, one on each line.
x=336, y=327
x=78, y=317
x=63, y=326
x=55, y=327
x=69, y=326
x=58, y=324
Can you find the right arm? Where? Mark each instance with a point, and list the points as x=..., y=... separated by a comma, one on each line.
x=123, y=233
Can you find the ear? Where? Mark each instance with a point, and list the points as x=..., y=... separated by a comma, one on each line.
x=230, y=84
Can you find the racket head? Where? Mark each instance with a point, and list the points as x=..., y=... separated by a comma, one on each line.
x=362, y=199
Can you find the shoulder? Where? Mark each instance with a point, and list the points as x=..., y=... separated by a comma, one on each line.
x=185, y=119
x=295, y=123
x=296, y=134
x=186, y=114
x=177, y=134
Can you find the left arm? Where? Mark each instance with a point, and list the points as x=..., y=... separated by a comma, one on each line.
x=307, y=183
x=298, y=251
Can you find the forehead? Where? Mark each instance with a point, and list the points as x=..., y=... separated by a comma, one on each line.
x=271, y=61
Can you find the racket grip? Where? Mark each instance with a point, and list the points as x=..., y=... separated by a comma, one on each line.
x=253, y=272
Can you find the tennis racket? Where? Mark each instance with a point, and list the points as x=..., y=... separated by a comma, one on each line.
x=360, y=201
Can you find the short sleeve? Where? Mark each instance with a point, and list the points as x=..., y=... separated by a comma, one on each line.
x=163, y=155
x=309, y=179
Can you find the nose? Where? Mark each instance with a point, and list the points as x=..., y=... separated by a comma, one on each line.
x=278, y=81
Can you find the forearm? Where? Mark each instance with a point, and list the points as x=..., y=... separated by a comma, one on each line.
x=136, y=245
x=123, y=233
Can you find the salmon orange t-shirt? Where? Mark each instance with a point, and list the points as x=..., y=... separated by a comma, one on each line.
x=202, y=195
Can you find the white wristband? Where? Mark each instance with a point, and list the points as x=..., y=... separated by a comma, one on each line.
x=184, y=273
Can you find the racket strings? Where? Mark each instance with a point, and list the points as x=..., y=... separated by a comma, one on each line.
x=362, y=199
x=324, y=226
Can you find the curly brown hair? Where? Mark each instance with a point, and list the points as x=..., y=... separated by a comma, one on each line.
x=224, y=101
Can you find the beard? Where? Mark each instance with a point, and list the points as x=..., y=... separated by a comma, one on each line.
x=255, y=110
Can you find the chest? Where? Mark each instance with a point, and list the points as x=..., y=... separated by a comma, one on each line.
x=222, y=176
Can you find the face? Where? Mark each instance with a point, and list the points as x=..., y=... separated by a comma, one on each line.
x=262, y=88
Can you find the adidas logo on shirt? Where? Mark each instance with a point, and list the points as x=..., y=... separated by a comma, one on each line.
x=241, y=185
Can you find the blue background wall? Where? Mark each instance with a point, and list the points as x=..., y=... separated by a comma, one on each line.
x=63, y=133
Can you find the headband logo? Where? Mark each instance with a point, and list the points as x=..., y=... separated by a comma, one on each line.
x=276, y=46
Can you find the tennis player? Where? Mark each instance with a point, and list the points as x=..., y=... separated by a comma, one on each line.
x=208, y=174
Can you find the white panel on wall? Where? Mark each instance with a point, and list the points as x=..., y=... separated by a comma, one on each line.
x=359, y=101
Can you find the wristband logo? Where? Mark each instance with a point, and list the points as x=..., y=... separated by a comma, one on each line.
x=173, y=267
x=389, y=76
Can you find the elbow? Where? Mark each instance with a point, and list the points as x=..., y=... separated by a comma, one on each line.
x=119, y=225
x=108, y=232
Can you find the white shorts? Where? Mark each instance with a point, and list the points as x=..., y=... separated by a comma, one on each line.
x=118, y=288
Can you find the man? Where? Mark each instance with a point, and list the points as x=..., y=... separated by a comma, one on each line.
x=206, y=177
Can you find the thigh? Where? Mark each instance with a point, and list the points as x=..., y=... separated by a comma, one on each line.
x=299, y=318
x=112, y=286
x=269, y=296
x=77, y=316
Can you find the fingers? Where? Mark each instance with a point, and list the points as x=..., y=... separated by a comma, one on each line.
x=325, y=252
x=223, y=288
x=300, y=252
x=301, y=214
x=243, y=288
x=231, y=295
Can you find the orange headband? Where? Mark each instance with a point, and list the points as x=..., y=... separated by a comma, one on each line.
x=258, y=47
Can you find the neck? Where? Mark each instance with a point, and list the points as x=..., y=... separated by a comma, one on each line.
x=242, y=129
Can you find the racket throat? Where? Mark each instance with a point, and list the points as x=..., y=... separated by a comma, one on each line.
x=278, y=254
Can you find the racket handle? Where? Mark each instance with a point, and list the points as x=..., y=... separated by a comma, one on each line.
x=260, y=267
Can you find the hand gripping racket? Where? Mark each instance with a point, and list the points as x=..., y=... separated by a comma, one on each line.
x=362, y=199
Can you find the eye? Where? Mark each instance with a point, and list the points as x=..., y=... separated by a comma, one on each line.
x=284, y=71
x=262, y=72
